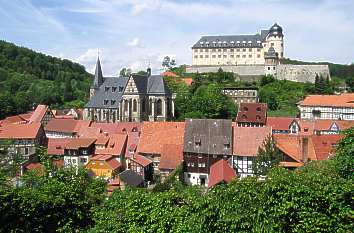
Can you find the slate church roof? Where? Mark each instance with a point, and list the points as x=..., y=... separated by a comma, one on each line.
x=109, y=90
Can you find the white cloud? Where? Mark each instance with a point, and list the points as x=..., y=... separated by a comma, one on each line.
x=135, y=43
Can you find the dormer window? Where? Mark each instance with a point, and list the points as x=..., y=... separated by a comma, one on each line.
x=106, y=89
x=114, y=89
x=113, y=102
x=244, y=116
x=120, y=88
x=258, y=109
x=198, y=142
x=258, y=117
x=105, y=102
x=245, y=109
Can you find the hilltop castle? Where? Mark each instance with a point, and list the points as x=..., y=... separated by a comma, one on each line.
x=250, y=56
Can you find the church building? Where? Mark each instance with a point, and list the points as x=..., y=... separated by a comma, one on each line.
x=134, y=98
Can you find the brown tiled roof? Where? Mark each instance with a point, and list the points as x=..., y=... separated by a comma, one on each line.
x=171, y=156
x=114, y=163
x=39, y=113
x=279, y=123
x=14, y=120
x=77, y=143
x=21, y=131
x=61, y=125
x=291, y=146
x=325, y=145
x=143, y=161
x=56, y=145
x=102, y=140
x=247, y=140
x=156, y=134
x=343, y=100
x=252, y=113
x=115, y=146
x=119, y=127
x=220, y=172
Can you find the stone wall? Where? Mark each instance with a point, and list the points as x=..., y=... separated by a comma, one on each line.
x=301, y=73
x=296, y=73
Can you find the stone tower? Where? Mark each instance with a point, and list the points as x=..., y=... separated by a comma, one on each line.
x=98, y=80
x=275, y=39
x=271, y=60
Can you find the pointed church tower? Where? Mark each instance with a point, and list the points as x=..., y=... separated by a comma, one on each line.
x=98, y=80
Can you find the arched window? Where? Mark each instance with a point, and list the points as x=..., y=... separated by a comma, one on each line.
x=143, y=108
x=134, y=106
x=126, y=105
x=159, y=107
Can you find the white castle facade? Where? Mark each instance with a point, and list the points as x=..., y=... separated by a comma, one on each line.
x=251, y=55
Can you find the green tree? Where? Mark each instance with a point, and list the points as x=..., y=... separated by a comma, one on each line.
x=268, y=156
x=349, y=81
x=266, y=79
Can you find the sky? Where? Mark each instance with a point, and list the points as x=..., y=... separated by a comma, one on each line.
x=139, y=33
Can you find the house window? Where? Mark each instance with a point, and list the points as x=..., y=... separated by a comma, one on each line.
x=26, y=150
x=159, y=107
x=83, y=160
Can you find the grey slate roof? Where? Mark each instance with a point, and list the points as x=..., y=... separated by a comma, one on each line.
x=157, y=85
x=97, y=101
x=131, y=178
x=218, y=41
x=208, y=136
x=98, y=80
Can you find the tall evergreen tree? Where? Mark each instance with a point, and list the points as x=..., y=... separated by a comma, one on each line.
x=268, y=156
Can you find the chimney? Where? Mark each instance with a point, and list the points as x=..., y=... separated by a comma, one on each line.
x=305, y=149
x=148, y=71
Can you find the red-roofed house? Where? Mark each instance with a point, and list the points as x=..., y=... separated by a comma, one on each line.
x=56, y=146
x=24, y=137
x=61, y=128
x=78, y=151
x=42, y=114
x=252, y=115
x=221, y=172
x=280, y=125
x=156, y=134
x=142, y=166
x=246, y=141
x=335, y=107
x=171, y=157
x=107, y=166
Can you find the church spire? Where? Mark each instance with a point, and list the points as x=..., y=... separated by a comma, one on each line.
x=98, y=74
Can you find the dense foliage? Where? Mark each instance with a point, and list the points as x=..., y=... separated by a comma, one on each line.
x=28, y=78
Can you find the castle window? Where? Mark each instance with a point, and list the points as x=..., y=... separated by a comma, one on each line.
x=225, y=56
x=196, y=56
x=244, y=50
x=143, y=105
x=214, y=56
x=206, y=56
x=268, y=68
x=271, y=44
x=238, y=56
x=134, y=106
x=219, y=56
x=231, y=50
x=250, y=50
x=219, y=50
x=213, y=50
x=237, y=50
x=250, y=55
x=258, y=55
x=201, y=56
x=273, y=67
x=159, y=107
x=232, y=56
x=225, y=50
x=244, y=56
x=258, y=49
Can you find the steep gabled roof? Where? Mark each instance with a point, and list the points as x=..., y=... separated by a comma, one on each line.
x=61, y=125
x=279, y=123
x=21, y=131
x=342, y=100
x=220, y=172
x=131, y=178
x=39, y=113
x=252, y=113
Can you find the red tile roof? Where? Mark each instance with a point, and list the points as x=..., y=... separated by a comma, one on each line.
x=343, y=100
x=143, y=161
x=324, y=145
x=252, y=113
x=56, y=145
x=291, y=146
x=247, y=140
x=62, y=125
x=220, y=172
x=110, y=160
x=169, y=74
x=279, y=123
x=77, y=143
x=171, y=156
x=119, y=127
x=39, y=113
x=14, y=120
x=114, y=163
x=116, y=145
x=156, y=134
x=22, y=131
x=188, y=81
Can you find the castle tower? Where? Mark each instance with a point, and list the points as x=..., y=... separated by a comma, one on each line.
x=271, y=59
x=275, y=39
x=98, y=80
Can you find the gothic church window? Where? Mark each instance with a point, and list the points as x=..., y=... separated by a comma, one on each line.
x=159, y=107
x=134, y=106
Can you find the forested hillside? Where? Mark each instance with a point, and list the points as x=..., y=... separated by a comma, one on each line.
x=28, y=78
